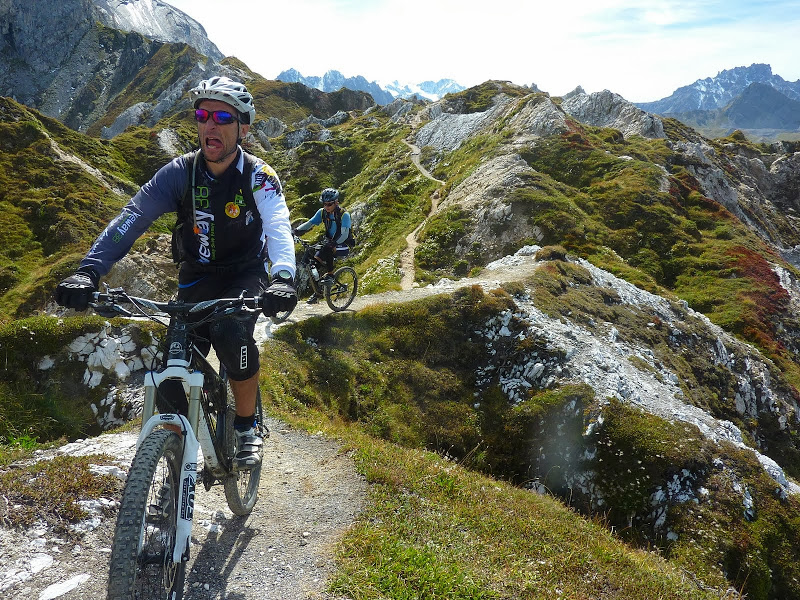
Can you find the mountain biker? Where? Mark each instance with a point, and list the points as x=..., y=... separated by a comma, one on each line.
x=337, y=231
x=231, y=213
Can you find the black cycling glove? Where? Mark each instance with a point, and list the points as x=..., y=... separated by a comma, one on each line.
x=76, y=290
x=280, y=296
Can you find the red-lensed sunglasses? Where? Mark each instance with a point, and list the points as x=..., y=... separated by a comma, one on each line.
x=220, y=117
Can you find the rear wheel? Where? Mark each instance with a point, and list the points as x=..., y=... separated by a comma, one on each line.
x=141, y=565
x=342, y=290
x=241, y=487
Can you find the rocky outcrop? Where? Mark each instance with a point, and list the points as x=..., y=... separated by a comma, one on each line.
x=304, y=131
x=447, y=131
x=75, y=75
x=606, y=109
x=537, y=116
x=398, y=109
x=785, y=176
x=158, y=21
x=148, y=273
x=497, y=223
x=116, y=359
x=337, y=119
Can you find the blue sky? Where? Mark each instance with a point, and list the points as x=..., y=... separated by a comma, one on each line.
x=642, y=50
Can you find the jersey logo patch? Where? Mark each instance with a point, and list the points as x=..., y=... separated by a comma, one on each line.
x=232, y=210
x=267, y=179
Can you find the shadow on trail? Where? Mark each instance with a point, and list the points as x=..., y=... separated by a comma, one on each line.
x=215, y=563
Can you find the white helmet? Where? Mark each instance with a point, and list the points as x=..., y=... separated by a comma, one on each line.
x=228, y=91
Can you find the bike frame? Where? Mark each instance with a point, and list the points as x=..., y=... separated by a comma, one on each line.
x=185, y=363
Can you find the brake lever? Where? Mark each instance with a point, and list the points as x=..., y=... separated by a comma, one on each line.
x=110, y=310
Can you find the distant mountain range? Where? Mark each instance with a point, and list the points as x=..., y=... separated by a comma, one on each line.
x=333, y=81
x=432, y=90
x=752, y=99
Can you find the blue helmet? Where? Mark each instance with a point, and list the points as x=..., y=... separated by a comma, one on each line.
x=329, y=195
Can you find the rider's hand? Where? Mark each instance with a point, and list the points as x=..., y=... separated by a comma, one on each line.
x=280, y=296
x=76, y=290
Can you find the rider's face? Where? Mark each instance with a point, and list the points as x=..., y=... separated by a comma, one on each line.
x=218, y=141
x=329, y=206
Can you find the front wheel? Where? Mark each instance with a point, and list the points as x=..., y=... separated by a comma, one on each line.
x=141, y=563
x=241, y=487
x=342, y=290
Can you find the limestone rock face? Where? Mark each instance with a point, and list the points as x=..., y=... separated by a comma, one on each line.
x=447, y=131
x=148, y=273
x=158, y=21
x=606, y=109
x=538, y=117
x=486, y=194
x=60, y=59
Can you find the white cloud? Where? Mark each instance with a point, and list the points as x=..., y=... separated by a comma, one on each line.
x=640, y=49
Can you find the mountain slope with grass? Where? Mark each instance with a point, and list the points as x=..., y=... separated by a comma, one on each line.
x=641, y=367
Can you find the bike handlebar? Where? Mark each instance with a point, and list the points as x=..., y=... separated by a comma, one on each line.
x=110, y=302
x=307, y=244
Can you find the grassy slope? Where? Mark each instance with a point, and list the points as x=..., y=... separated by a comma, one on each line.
x=434, y=529
x=408, y=374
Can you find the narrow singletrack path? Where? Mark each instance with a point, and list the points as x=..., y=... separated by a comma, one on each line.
x=407, y=255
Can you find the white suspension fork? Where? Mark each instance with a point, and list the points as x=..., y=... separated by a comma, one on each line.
x=191, y=445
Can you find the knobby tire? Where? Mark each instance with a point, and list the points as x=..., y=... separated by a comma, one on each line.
x=141, y=564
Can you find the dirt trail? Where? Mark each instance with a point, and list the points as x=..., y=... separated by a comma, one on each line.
x=407, y=255
x=309, y=495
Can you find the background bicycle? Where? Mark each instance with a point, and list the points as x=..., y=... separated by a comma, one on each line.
x=153, y=530
x=339, y=291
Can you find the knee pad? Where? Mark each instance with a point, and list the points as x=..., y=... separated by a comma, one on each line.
x=233, y=342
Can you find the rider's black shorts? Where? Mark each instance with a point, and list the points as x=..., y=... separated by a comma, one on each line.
x=232, y=337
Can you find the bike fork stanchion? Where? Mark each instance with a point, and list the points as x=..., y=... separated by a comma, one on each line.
x=183, y=524
x=188, y=480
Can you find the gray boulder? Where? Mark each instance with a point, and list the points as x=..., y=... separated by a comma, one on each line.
x=606, y=109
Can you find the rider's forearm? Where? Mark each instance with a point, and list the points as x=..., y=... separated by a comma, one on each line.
x=159, y=195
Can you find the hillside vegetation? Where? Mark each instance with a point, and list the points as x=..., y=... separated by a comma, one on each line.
x=442, y=374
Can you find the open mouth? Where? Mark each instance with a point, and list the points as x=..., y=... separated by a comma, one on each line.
x=213, y=142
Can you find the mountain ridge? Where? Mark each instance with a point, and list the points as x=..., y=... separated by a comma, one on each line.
x=718, y=91
x=751, y=99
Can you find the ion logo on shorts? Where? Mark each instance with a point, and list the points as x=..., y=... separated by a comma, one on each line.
x=243, y=358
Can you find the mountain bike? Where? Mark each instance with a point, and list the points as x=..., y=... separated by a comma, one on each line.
x=153, y=530
x=339, y=291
